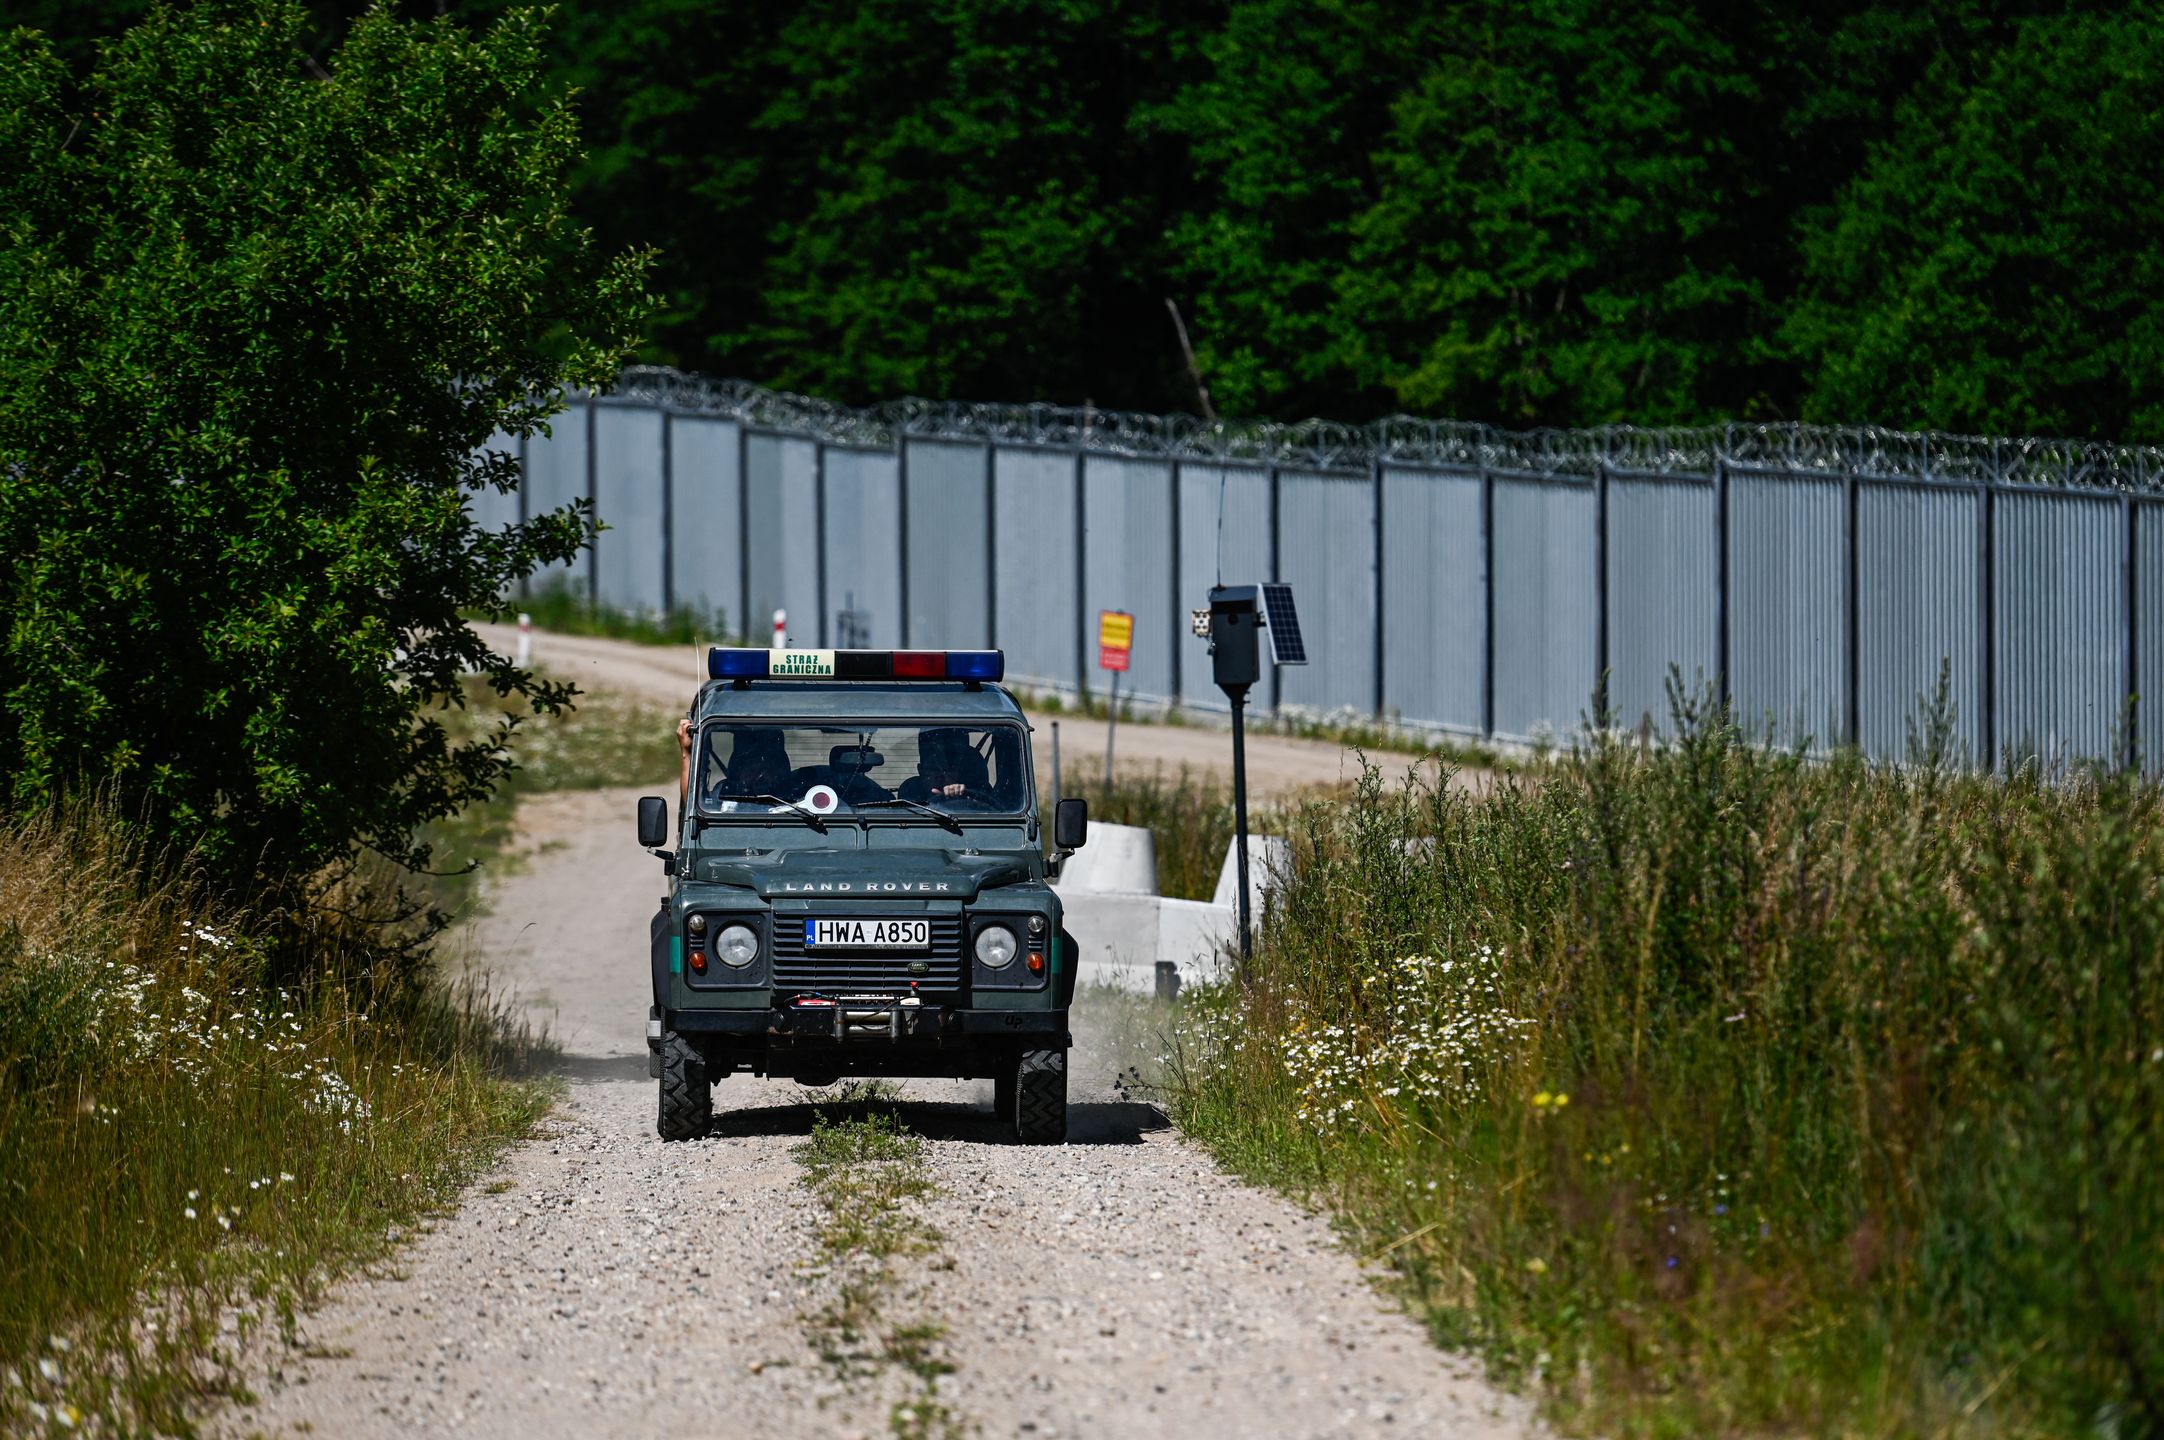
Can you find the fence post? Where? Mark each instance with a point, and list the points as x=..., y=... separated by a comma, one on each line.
x=1721, y=586
x=991, y=545
x=743, y=529
x=668, y=514
x=525, y=586
x=1178, y=628
x=1277, y=575
x=1851, y=703
x=901, y=516
x=1602, y=703
x=819, y=528
x=1375, y=518
x=1987, y=624
x=1487, y=603
x=1081, y=568
x=2130, y=587
x=593, y=499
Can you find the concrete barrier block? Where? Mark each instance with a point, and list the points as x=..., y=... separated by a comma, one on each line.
x=1118, y=860
x=1269, y=860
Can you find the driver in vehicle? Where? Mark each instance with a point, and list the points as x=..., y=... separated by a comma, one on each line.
x=948, y=768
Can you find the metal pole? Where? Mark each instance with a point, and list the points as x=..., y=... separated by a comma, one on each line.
x=819, y=528
x=1056, y=792
x=1239, y=821
x=525, y=586
x=2129, y=581
x=991, y=546
x=1112, y=725
x=1375, y=514
x=743, y=531
x=593, y=500
x=1277, y=573
x=1852, y=604
x=1487, y=603
x=901, y=506
x=1179, y=627
x=1081, y=575
x=1721, y=586
x=1987, y=628
x=668, y=515
x=1602, y=701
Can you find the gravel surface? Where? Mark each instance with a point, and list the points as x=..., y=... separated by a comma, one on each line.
x=1277, y=765
x=603, y=1285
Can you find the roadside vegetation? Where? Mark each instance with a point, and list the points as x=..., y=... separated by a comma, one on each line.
x=206, y=1112
x=566, y=609
x=1710, y=1090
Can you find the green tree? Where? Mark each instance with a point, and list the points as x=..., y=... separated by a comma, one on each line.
x=259, y=317
x=1995, y=266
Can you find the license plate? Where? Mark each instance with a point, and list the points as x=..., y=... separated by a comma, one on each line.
x=868, y=934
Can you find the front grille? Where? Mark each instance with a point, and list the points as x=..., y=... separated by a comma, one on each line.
x=868, y=972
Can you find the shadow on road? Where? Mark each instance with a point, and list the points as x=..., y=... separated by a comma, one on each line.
x=1114, y=1122
x=598, y=1069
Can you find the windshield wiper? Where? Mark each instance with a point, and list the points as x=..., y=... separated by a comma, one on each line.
x=810, y=817
x=937, y=814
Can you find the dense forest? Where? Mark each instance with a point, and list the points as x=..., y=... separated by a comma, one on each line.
x=1921, y=214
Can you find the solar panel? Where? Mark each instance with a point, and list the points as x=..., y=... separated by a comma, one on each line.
x=1287, y=646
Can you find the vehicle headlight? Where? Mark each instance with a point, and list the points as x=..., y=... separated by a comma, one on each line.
x=738, y=945
x=996, y=946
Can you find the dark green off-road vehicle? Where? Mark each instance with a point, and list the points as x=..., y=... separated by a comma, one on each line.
x=859, y=886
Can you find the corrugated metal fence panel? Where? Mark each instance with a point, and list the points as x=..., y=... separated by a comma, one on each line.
x=949, y=591
x=555, y=476
x=1545, y=624
x=1788, y=634
x=1224, y=531
x=1326, y=552
x=1662, y=563
x=1128, y=566
x=1034, y=554
x=2060, y=661
x=1433, y=614
x=628, y=500
x=2149, y=633
x=1918, y=606
x=864, y=544
x=782, y=543
x=706, y=523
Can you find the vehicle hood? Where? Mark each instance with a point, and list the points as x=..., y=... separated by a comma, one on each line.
x=927, y=874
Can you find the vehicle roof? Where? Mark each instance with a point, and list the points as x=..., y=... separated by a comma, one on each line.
x=854, y=700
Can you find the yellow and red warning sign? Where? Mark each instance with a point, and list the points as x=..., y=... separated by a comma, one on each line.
x=1115, y=639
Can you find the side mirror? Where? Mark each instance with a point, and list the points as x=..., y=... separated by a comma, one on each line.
x=1070, y=824
x=653, y=821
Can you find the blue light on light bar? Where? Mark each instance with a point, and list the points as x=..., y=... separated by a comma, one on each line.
x=976, y=665
x=727, y=663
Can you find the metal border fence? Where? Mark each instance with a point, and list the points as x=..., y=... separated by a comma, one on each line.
x=1454, y=577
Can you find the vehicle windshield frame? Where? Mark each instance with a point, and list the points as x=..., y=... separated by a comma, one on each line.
x=899, y=814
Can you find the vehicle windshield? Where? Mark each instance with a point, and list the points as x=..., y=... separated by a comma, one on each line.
x=958, y=770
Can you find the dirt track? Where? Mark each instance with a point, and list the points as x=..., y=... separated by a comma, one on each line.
x=1276, y=764
x=605, y=1285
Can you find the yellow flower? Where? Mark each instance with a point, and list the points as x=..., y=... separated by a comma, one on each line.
x=1537, y=1265
x=1542, y=1099
x=1561, y=1100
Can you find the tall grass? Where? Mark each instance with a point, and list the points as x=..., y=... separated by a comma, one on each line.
x=186, y=1142
x=1717, y=1091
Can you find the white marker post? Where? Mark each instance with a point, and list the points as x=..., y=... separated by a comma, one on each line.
x=525, y=640
x=781, y=629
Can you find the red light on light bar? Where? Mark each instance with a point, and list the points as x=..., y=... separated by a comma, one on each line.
x=920, y=664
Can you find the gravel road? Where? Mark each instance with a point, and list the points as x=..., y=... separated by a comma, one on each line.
x=1277, y=765
x=603, y=1285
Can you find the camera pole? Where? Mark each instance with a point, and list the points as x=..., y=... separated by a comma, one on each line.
x=1239, y=813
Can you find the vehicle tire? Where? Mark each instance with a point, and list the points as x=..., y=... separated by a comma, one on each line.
x=1040, y=1097
x=1003, y=1086
x=687, y=1096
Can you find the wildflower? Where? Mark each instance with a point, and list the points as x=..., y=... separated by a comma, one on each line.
x=1561, y=1100
x=1537, y=1265
x=50, y=1370
x=1671, y=1262
x=224, y=1223
x=59, y=1342
x=1542, y=1100
x=189, y=1211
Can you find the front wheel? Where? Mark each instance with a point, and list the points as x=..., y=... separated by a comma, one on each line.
x=1040, y=1098
x=687, y=1095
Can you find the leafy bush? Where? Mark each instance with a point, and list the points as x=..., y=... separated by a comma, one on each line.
x=257, y=326
x=1717, y=1089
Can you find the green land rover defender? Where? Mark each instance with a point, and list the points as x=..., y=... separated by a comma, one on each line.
x=859, y=886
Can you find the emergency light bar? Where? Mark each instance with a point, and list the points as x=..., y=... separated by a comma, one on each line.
x=734, y=663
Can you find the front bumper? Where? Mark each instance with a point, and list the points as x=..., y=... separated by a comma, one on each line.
x=868, y=1021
